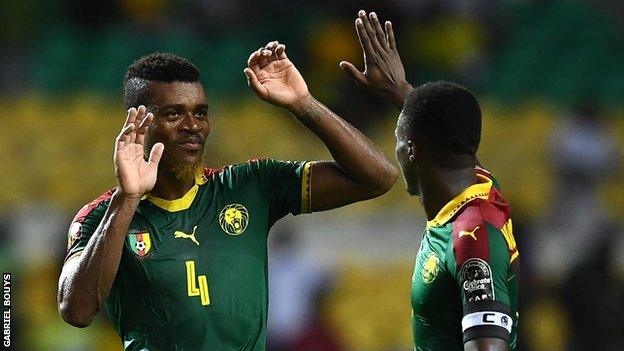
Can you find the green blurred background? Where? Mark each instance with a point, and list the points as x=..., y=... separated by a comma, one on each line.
x=550, y=79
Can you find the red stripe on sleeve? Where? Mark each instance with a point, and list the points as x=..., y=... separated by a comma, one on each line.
x=470, y=236
x=86, y=209
x=492, y=214
x=496, y=200
x=210, y=171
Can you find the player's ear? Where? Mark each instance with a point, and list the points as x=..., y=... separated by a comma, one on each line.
x=412, y=151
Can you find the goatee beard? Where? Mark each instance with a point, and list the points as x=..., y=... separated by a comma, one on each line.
x=185, y=171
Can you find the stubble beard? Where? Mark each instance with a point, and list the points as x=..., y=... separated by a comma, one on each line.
x=184, y=171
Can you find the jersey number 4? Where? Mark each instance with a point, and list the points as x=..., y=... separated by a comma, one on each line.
x=192, y=282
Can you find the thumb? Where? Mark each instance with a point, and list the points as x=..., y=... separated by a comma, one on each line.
x=353, y=72
x=156, y=154
x=253, y=82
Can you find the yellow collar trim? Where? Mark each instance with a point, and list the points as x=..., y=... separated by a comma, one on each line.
x=182, y=203
x=480, y=190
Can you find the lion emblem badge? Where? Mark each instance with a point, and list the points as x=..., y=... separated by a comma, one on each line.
x=234, y=219
x=430, y=268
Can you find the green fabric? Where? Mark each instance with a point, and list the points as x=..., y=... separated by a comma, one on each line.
x=438, y=296
x=149, y=301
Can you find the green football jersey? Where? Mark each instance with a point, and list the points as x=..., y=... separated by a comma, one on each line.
x=193, y=272
x=465, y=281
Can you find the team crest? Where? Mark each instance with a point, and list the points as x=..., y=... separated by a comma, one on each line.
x=234, y=219
x=140, y=243
x=430, y=268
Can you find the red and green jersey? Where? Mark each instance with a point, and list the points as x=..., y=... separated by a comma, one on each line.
x=465, y=281
x=193, y=272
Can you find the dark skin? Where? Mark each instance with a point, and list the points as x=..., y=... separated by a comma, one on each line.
x=436, y=176
x=181, y=123
x=174, y=128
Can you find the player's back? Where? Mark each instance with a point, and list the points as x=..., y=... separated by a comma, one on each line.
x=465, y=282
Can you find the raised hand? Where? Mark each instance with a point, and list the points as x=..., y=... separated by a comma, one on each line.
x=274, y=78
x=383, y=70
x=135, y=176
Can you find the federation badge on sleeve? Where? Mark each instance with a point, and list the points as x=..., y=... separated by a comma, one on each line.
x=476, y=280
x=140, y=243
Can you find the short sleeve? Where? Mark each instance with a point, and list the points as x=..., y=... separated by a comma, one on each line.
x=288, y=186
x=480, y=265
x=85, y=223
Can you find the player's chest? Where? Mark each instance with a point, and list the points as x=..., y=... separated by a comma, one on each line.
x=232, y=225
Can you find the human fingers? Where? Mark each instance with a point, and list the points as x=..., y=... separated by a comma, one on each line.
x=272, y=46
x=353, y=72
x=254, y=83
x=263, y=59
x=370, y=31
x=143, y=127
x=365, y=42
x=130, y=117
x=280, y=51
x=140, y=115
x=390, y=36
x=128, y=126
x=253, y=59
x=124, y=136
x=156, y=154
x=379, y=32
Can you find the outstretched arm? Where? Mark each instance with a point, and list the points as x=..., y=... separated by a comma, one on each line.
x=86, y=279
x=360, y=170
x=383, y=70
x=384, y=73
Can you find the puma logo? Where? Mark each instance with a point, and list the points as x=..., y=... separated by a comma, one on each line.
x=182, y=235
x=470, y=234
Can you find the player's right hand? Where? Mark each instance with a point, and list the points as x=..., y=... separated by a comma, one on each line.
x=384, y=73
x=135, y=175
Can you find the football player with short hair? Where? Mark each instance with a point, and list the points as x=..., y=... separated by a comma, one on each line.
x=176, y=252
x=465, y=281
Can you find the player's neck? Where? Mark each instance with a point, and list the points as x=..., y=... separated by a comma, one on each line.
x=440, y=186
x=169, y=186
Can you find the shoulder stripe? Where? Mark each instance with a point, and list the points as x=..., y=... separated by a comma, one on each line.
x=306, y=188
x=470, y=236
x=88, y=208
x=208, y=172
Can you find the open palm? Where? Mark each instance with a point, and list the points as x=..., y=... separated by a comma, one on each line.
x=135, y=175
x=273, y=76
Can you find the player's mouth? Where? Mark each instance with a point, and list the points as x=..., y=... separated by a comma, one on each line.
x=192, y=143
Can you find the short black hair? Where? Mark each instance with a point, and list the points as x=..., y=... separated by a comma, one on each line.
x=161, y=67
x=446, y=114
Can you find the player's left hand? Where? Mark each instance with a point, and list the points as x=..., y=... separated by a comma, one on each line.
x=384, y=73
x=274, y=77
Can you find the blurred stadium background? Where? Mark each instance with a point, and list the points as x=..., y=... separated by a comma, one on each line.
x=550, y=78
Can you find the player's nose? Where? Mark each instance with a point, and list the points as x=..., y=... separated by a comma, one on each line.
x=190, y=123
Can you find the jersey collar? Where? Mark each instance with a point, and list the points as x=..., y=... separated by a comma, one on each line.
x=185, y=201
x=481, y=190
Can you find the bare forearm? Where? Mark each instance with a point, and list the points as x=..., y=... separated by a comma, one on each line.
x=357, y=156
x=85, y=285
